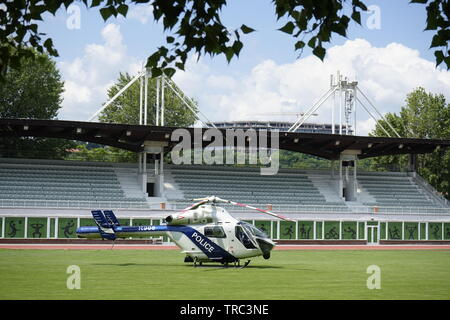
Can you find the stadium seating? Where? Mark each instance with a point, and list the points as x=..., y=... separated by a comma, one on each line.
x=247, y=185
x=296, y=188
x=52, y=183
x=394, y=189
x=47, y=183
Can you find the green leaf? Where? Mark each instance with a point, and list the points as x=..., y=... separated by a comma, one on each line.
x=288, y=27
x=48, y=44
x=438, y=41
x=447, y=62
x=237, y=46
x=152, y=61
x=356, y=15
x=358, y=3
x=169, y=72
x=339, y=28
x=170, y=39
x=246, y=29
x=299, y=45
x=312, y=42
x=156, y=72
x=229, y=53
x=123, y=9
x=95, y=3
x=439, y=57
x=106, y=13
x=319, y=52
x=33, y=27
x=179, y=65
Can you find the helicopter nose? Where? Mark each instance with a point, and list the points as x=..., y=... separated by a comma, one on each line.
x=265, y=247
x=169, y=219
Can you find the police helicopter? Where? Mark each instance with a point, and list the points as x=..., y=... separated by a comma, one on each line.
x=203, y=231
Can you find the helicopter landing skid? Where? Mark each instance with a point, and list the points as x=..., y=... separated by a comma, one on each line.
x=236, y=264
x=245, y=264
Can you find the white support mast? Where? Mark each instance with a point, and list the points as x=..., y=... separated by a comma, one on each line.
x=150, y=147
x=158, y=91
x=344, y=105
x=119, y=93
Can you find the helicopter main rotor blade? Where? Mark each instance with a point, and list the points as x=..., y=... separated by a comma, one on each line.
x=215, y=199
x=263, y=211
x=254, y=208
x=196, y=205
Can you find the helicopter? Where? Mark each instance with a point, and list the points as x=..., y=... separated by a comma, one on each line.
x=203, y=231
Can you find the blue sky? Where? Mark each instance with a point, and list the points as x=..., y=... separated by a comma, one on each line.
x=400, y=22
x=385, y=60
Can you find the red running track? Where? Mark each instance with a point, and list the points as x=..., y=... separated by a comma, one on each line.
x=171, y=247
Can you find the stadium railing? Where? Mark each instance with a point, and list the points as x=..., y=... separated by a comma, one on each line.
x=331, y=209
x=424, y=184
x=75, y=204
x=178, y=205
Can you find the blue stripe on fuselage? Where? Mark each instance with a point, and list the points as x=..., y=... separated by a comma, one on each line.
x=212, y=250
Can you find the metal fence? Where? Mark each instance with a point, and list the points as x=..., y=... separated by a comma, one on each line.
x=64, y=227
x=298, y=209
x=75, y=204
x=329, y=209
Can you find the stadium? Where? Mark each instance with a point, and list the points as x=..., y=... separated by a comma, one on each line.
x=185, y=153
x=343, y=213
x=49, y=199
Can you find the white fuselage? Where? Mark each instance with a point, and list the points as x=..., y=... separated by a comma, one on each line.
x=220, y=228
x=206, y=233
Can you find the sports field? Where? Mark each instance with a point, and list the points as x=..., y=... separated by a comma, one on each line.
x=161, y=274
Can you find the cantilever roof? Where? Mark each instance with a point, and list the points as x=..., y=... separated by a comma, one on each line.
x=132, y=137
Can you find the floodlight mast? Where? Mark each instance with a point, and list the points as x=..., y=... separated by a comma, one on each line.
x=347, y=94
x=118, y=94
x=162, y=82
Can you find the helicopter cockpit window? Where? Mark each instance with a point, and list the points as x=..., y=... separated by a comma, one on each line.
x=215, y=232
x=253, y=230
x=244, y=238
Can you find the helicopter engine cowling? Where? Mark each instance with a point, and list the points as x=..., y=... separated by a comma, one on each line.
x=190, y=217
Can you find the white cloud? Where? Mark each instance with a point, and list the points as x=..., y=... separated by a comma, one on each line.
x=363, y=127
x=87, y=78
x=142, y=13
x=385, y=75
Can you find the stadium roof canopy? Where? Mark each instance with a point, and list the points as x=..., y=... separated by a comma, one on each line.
x=132, y=138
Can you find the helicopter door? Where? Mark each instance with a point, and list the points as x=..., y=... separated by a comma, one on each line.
x=244, y=237
x=216, y=234
x=230, y=241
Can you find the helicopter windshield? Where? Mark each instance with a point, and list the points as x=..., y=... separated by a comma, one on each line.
x=253, y=230
x=243, y=235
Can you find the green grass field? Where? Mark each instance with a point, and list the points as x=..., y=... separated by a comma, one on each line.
x=139, y=274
